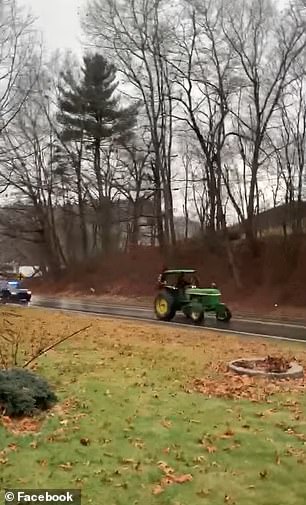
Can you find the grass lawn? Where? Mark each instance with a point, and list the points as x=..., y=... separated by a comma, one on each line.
x=134, y=427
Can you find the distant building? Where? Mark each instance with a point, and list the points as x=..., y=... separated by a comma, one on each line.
x=281, y=220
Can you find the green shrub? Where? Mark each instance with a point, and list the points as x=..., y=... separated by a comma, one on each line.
x=23, y=393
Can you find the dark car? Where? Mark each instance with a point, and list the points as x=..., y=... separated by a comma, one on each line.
x=13, y=292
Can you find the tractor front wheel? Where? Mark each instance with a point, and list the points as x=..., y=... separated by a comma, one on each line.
x=164, y=306
x=223, y=314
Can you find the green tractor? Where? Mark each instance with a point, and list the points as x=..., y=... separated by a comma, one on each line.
x=179, y=291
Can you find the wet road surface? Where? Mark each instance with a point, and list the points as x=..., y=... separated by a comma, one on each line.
x=295, y=331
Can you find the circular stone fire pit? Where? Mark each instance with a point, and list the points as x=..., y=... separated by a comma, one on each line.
x=273, y=368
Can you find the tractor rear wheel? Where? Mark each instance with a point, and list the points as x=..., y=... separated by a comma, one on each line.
x=223, y=314
x=164, y=306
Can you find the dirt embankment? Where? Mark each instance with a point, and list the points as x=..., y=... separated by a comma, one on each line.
x=277, y=276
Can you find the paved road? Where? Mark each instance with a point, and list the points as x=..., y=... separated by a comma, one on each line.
x=278, y=330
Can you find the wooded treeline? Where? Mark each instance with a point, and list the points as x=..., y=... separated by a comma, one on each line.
x=193, y=108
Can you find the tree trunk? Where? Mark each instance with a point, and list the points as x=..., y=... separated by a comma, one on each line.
x=222, y=218
x=106, y=218
x=249, y=222
x=103, y=211
x=169, y=213
x=212, y=199
x=158, y=208
x=78, y=171
x=134, y=234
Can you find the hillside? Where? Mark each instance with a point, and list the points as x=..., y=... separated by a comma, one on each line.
x=276, y=276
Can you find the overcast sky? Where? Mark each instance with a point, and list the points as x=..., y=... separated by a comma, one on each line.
x=59, y=22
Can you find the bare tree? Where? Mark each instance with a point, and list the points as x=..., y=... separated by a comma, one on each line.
x=187, y=163
x=133, y=181
x=19, y=47
x=204, y=64
x=27, y=165
x=294, y=131
x=134, y=35
x=267, y=44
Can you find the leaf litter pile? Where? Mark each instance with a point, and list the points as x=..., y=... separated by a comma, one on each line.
x=226, y=384
x=237, y=387
x=271, y=364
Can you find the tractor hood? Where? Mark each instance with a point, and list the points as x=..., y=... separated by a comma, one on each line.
x=203, y=291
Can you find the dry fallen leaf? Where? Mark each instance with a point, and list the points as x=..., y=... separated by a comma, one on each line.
x=211, y=449
x=227, y=434
x=158, y=490
x=164, y=467
x=166, y=424
x=66, y=466
x=12, y=447
x=128, y=461
x=181, y=479
x=170, y=478
x=203, y=493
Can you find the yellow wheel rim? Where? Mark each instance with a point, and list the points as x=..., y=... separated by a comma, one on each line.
x=161, y=306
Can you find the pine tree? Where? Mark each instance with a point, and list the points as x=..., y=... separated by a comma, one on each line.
x=90, y=107
x=90, y=112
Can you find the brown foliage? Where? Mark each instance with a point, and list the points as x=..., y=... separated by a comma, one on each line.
x=271, y=278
